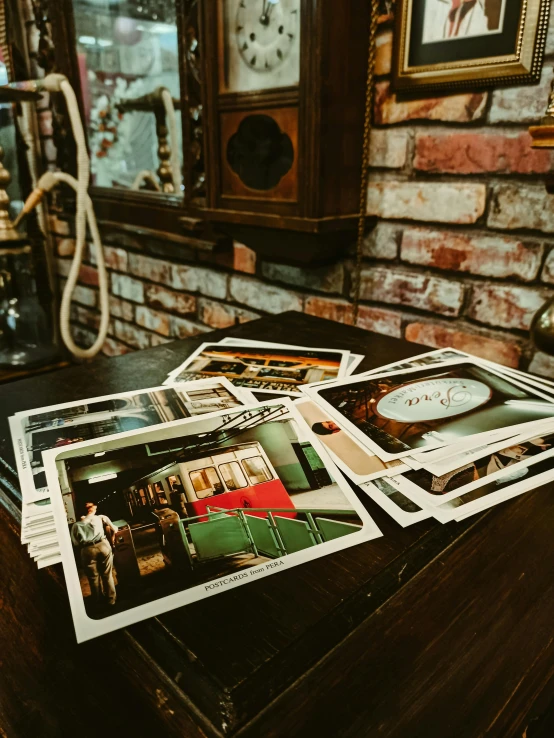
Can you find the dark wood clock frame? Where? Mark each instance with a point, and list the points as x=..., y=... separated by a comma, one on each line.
x=325, y=115
x=328, y=137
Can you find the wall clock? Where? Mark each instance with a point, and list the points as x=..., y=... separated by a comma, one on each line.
x=284, y=91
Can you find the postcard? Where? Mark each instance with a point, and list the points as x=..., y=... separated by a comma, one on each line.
x=525, y=479
x=194, y=507
x=35, y=431
x=401, y=509
x=432, y=490
x=354, y=360
x=359, y=464
x=494, y=443
x=395, y=414
x=263, y=369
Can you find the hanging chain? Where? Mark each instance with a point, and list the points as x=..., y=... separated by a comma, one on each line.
x=365, y=157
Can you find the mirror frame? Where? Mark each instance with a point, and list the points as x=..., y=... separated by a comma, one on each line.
x=126, y=210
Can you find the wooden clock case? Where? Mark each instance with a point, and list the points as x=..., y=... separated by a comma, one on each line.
x=312, y=212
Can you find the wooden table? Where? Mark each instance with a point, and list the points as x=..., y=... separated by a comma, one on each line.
x=431, y=631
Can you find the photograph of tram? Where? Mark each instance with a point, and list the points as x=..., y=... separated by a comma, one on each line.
x=189, y=503
x=59, y=426
x=277, y=370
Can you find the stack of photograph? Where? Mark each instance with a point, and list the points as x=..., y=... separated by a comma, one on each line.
x=442, y=435
x=156, y=498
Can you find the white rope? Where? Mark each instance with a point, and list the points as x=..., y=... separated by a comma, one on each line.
x=172, y=128
x=145, y=174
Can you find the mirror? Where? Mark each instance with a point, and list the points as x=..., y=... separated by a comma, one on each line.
x=128, y=57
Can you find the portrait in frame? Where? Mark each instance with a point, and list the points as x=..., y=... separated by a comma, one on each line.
x=452, y=44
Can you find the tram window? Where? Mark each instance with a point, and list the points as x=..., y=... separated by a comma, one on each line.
x=233, y=476
x=206, y=482
x=151, y=494
x=160, y=492
x=143, y=499
x=257, y=470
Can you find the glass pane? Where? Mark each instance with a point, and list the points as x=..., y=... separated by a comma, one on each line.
x=257, y=470
x=232, y=475
x=206, y=482
x=128, y=51
x=160, y=493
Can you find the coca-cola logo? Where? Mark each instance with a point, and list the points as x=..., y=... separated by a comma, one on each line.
x=433, y=399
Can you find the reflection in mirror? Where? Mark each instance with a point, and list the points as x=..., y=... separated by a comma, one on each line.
x=129, y=68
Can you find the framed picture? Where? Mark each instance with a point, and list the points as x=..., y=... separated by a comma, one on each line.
x=467, y=43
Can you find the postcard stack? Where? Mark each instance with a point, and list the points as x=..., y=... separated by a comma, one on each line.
x=244, y=463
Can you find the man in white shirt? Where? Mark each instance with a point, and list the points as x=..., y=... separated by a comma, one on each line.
x=451, y=19
x=90, y=536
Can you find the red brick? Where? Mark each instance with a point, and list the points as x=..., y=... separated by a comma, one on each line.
x=501, y=350
x=131, y=335
x=181, y=328
x=548, y=271
x=388, y=148
x=486, y=255
x=65, y=246
x=88, y=275
x=122, y=309
x=324, y=278
x=220, y=315
x=115, y=258
x=112, y=347
x=521, y=206
x=58, y=226
x=414, y=289
x=127, y=287
x=383, y=52
x=460, y=108
x=157, y=340
x=505, y=305
x=326, y=307
x=261, y=296
x=147, y=267
x=480, y=152
x=382, y=242
x=244, y=259
x=525, y=104
x=441, y=202
x=82, y=295
x=198, y=279
x=381, y=321
x=160, y=297
x=152, y=320
x=45, y=123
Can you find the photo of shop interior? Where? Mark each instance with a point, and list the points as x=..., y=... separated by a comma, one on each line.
x=259, y=368
x=243, y=489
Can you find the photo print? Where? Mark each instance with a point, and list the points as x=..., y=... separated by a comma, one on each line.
x=57, y=426
x=396, y=413
x=522, y=479
x=436, y=490
x=359, y=464
x=154, y=519
x=272, y=370
x=446, y=20
x=401, y=508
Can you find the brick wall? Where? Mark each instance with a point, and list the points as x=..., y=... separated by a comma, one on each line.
x=462, y=255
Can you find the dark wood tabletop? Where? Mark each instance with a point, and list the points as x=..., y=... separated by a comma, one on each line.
x=432, y=631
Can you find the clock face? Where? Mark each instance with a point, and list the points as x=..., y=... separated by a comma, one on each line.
x=259, y=44
x=265, y=32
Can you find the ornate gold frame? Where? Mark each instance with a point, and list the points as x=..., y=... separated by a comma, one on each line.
x=524, y=66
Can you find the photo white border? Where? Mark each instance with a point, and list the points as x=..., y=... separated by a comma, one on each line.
x=399, y=515
x=343, y=366
x=17, y=430
x=314, y=393
x=87, y=628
